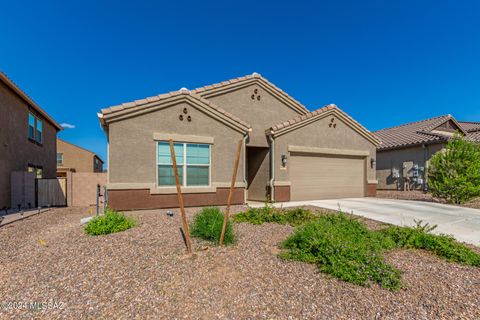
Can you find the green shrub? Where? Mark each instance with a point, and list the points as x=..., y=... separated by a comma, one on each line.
x=343, y=247
x=207, y=225
x=454, y=174
x=442, y=245
x=110, y=222
x=268, y=213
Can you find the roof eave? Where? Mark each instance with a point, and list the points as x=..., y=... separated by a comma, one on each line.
x=9, y=83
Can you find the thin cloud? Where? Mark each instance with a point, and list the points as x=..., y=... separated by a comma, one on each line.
x=67, y=125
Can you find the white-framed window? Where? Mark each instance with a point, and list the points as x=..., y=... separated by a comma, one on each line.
x=193, y=164
x=59, y=158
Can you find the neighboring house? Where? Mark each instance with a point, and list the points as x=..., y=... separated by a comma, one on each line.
x=73, y=158
x=405, y=150
x=291, y=153
x=27, y=138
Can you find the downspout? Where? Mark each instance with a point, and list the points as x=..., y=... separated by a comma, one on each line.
x=245, y=182
x=272, y=167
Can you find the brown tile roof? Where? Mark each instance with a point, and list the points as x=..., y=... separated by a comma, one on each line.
x=142, y=103
x=470, y=126
x=317, y=113
x=300, y=119
x=414, y=133
x=9, y=83
x=474, y=135
x=252, y=78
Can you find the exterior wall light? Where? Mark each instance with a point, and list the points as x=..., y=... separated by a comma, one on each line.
x=373, y=163
x=284, y=160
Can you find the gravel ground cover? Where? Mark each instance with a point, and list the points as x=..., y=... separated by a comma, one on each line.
x=420, y=196
x=143, y=273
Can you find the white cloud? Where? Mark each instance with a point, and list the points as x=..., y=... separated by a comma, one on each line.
x=67, y=125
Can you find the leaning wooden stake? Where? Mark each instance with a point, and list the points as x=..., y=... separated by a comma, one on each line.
x=180, y=199
x=230, y=194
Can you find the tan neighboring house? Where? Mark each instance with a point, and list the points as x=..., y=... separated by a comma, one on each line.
x=288, y=152
x=27, y=138
x=405, y=150
x=72, y=158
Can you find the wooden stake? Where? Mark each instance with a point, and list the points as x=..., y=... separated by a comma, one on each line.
x=230, y=194
x=180, y=199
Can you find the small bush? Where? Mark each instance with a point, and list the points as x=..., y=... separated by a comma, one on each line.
x=343, y=247
x=268, y=213
x=110, y=222
x=454, y=174
x=207, y=225
x=442, y=245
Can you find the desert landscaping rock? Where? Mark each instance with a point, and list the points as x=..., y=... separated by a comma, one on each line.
x=144, y=273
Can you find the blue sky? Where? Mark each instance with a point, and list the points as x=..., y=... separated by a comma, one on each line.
x=383, y=62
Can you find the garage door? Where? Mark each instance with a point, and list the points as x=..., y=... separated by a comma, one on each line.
x=326, y=177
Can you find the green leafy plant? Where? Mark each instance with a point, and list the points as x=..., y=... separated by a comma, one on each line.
x=343, y=247
x=268, y=213
x=442, y=245
x=111, y=222
x=207, y=225
x=454, y=174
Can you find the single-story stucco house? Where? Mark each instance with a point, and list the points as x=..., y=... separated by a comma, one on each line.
x=288, y=152
x=405, y=150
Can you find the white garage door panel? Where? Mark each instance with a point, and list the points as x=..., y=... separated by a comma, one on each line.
x=326, y=177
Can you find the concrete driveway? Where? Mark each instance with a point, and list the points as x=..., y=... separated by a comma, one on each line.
x=462, y=223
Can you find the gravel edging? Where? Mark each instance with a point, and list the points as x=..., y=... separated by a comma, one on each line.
x=143, y=273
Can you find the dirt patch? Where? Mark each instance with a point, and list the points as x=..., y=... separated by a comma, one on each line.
x=420, y=196
x=144, y=273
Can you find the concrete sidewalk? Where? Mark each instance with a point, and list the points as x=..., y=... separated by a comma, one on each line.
x=462, y=223
x=12, y=217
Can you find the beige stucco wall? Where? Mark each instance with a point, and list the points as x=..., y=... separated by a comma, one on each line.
x=319, y=135
x=132, y=149
x=260, y=114
x=79, y=159
x=16, y=151
x=386, y=160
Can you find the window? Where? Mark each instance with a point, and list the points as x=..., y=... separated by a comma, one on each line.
x=39, y=131
x=39, y=173
x=193, y=164
x=59, y=158
x=37, y=170
x=31, y=126
x=35, y=128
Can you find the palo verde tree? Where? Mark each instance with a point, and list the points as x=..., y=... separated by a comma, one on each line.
x=454, y=173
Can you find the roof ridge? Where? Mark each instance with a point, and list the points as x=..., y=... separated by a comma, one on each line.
x=414, y=122
x=254, y=75
x=475, y=122
x=182, y=91
x=301, y=118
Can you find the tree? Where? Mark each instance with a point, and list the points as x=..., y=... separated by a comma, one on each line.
x=454, y=173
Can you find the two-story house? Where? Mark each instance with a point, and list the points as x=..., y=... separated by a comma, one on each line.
x=27, y=138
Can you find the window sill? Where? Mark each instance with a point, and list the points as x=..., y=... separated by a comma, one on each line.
x=173, y=190
x=35, y=142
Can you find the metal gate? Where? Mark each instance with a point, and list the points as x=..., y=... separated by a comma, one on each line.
x=52, y=192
